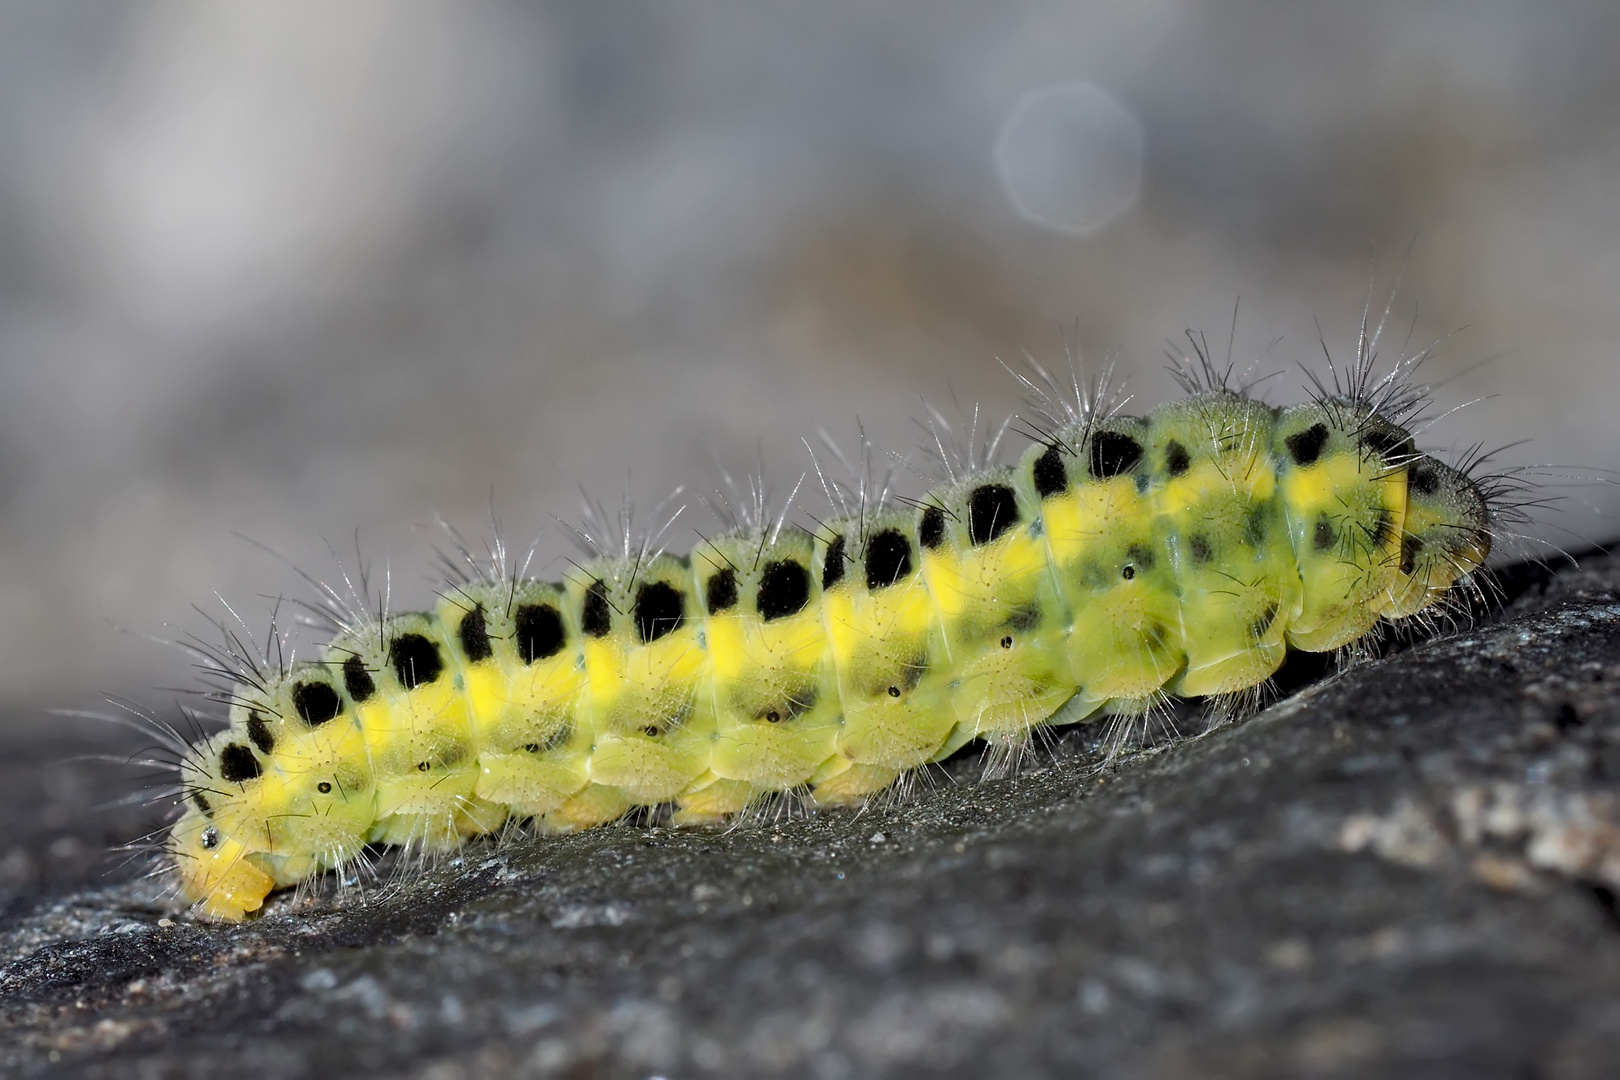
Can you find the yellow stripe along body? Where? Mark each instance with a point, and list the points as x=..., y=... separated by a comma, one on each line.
x=1184, y=553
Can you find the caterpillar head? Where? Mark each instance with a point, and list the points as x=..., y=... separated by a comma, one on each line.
x=223, y=779
x=1447, y=535
x=216, y=874
x=288, y=778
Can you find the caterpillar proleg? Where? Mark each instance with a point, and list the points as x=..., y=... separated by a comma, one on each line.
x=1120, y=559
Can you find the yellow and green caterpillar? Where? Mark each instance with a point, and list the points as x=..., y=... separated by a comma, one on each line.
x=1122, y=558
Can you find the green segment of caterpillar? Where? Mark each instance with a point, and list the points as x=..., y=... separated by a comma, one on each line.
x=1124, y=558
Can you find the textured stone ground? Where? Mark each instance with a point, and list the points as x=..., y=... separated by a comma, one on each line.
x=1410, y=869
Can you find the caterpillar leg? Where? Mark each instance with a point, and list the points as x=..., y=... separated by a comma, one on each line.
x=596, y=805
x=713, y=802
x=848, y=782
x=443, y=830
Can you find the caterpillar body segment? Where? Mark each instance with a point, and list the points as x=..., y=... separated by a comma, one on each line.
x=407, y=691
x=771, y=676
x=1344, y=498
x=985, y=563
x=1217, y=519
x=1121, y=558
x=644, y=668
x=524, y=679
x=888, y=648
x=1099, y=521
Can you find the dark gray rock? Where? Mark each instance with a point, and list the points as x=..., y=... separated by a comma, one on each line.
x=1408, y=869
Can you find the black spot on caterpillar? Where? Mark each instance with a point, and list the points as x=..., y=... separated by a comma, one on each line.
x=474, y=637
x=540, y=632
x=316, y=703
x=357, y=680
x=992, y=510
x=931, y=529
x=415, y=660
x=721, y=592
x=1050, y=477
x=259, y=732
x=660, y=610
x=1306, y=446
x=238, y=765
x=784, y=590
x=832, y=565
x=888, y=559
x=1113, y=454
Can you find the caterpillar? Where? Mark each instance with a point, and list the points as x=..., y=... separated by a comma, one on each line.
x=1122, y=559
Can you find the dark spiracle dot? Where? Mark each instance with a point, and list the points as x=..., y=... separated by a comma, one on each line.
x=259, y=732
x=1323, y=536
x=209, y=840
x=931, y=528
x=1306, y=446
x=992, y=510
x=540, y=632
x=324, y=787
x=888, y=559
x=237, y=765
x=1176, y=458
x=1410, y=546
x=357, y=680
x=316, y=702
x=1128, y=573
x=423, y=766
x=651, y=731
x=1050, y=477
x=1422, y=477
x=784, y=589
x=832, y=564
x=415, y=660
x=1113, y=454
x=660, y=610
x=773, y=717
x=1007, y=642
x=474, y=636
x=720, y=594
x=595, y=616
x=894, y=691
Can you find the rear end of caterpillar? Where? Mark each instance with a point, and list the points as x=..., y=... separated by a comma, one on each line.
x=1121, y=559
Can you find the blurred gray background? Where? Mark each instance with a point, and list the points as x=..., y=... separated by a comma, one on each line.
x=294, y=269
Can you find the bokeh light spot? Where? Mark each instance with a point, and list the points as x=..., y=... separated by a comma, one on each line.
x=1070, y=157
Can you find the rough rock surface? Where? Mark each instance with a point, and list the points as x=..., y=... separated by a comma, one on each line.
x=1408, y=869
